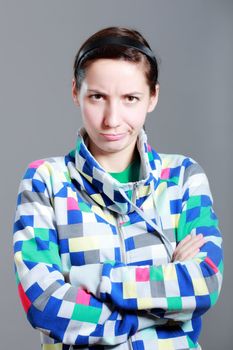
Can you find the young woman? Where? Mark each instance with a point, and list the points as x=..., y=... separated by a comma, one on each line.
x=116, y=246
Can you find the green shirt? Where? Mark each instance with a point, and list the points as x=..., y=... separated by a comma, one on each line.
x=130, y=174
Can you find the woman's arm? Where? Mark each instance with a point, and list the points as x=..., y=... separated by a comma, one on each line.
x=178, y=290
x=66, y=313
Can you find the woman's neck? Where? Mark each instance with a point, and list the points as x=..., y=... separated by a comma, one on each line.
x=114, y=161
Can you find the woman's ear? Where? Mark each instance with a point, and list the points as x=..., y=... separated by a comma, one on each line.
x=153, y=99
x=75, y=92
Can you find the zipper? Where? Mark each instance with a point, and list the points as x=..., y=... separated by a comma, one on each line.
x=134, y=197
x=119, y=219
x=130, y=343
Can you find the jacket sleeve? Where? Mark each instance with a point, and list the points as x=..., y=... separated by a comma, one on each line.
x=177, y=290
x=53, y=305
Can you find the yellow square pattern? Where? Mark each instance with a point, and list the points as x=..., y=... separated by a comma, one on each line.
x=18, y=257
x=165, y=344
x=98, y=211
x=98, y=198
x=143, y=191
x=145, y=303
x=200, y=287
x=89, y=178
x=161, y=188
x=175, y=220
x=57, y=346
x=45, y=166
x=166, y=162
x=80, y=244
x=169, y=272
x=71, y=193
x=129, y=290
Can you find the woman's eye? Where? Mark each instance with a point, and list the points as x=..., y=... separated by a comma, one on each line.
x=132, y=98
x=96, y=97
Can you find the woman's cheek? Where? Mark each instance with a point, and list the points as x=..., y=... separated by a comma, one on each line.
x=90, y=112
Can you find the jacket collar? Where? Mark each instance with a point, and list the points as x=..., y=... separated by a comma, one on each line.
x=103, y=188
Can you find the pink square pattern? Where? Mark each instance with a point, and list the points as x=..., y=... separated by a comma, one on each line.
x=72, y=204
x=149, y=148
x=165, y=174
x=142, y=274
x=36, y=164
x=211, y=264
x=83, y=297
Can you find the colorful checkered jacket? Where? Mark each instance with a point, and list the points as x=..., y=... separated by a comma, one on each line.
x=93, y=256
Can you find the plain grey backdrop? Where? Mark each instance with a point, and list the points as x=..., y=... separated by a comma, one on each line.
x=38, y=41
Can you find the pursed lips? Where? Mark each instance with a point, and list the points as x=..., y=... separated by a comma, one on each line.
x=113, y=137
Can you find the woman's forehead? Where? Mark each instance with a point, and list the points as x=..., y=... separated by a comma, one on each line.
x=108, y=63
x=113, y=71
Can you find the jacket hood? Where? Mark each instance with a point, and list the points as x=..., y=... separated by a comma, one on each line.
x=103, y=188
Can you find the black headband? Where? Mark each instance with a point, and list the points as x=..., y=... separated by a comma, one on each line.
x=114, y=40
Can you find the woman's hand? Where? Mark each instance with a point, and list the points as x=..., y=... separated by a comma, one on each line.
x=188, y=247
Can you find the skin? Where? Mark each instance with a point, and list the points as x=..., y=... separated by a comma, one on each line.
x=114, y=100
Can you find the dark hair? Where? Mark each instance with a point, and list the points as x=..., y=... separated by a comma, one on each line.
x=117, y=52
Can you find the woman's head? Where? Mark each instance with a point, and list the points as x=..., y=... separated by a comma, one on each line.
x=120, y=52
x=115, y=87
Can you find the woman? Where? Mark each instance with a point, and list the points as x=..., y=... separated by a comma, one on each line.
x=116, y=246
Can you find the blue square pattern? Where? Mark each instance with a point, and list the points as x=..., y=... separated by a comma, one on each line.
x=203, y=303
x=192, y=214
x=27, y=220
x=117, y=253
x=129, y=244
x=176, y=206
x=175, y=172
x=77, y=259
x=34, y=292
x=38, y=186
x=29, y=173
x=184, y=281
x=18, y=246
x=64, y=246
x=41, y=244
x=74, y=216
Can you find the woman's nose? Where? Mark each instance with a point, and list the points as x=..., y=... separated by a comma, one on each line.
x=111, y=114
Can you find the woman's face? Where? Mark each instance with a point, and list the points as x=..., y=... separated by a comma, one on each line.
x=114, y=99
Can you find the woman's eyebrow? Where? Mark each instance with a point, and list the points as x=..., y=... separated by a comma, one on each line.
x=128, y=93
x=134, y=93
x=96, y=91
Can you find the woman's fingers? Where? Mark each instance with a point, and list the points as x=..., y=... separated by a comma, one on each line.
x=184, y=241
x=189, y=256
x=185, y=251
x=188, y=247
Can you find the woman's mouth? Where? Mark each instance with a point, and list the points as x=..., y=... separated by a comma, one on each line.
x=112, y=137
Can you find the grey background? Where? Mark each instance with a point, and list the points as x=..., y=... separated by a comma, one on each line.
x=38, y=41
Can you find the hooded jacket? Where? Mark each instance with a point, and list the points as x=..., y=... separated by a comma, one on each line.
x=93, y=256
